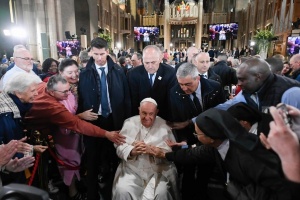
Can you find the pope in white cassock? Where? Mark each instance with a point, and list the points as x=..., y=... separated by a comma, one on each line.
x=139, y=175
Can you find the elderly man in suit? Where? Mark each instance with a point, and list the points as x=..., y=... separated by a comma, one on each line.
x=152, y=79
x=190, y=97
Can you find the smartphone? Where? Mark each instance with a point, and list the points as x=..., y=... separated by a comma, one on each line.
x=285, y=114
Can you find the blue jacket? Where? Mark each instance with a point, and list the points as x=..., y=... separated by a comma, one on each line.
x=89, y=95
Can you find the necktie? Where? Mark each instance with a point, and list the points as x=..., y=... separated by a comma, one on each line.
x=197, y=103
x=104, y=98
x=151, y=81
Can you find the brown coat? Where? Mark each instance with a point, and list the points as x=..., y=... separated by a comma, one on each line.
x=48, y=113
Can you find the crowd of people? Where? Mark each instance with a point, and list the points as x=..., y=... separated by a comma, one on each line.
x=131, y=126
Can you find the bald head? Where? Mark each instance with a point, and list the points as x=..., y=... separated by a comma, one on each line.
x=191, y=51
x=295, y=62
x=256, y=65
x=252, y=73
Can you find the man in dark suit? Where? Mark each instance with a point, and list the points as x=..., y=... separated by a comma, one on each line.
x=152, y=79
x=211, y=53
x=235, y=53
x=190, y=97
x=227, y=74
x=202, y=62
x=102, y=87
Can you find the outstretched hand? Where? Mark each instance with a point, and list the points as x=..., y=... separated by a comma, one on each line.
x=156, y=152
x=39, y=148
x=23, y=147
x=88, y=115
x=172, y=143
x=115, y=137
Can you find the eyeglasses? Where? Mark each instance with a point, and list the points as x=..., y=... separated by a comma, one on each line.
x=27, y=59
x=64, y=92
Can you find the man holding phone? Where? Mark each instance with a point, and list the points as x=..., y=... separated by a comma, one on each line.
x=261, y=88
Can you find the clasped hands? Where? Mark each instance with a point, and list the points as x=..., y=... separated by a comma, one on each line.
x=140, y=147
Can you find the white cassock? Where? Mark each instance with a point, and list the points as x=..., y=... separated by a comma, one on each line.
x=145, y=177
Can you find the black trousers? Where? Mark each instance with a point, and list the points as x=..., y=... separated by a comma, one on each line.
x=101, y=162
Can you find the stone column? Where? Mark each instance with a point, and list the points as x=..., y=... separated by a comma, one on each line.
x=93, y=8
x=41, y=28
x=29, y=20
x=60, y=33
x=199, y=25
x=167, y=26
x=51, y=26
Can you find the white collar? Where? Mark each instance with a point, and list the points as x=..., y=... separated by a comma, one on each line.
x=98, y=66
x=253, y=128
x=205, y=74
x=223, y=149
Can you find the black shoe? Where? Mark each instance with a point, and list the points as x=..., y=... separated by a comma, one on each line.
x=79, y=196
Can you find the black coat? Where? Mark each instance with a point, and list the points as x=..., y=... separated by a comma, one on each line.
x=213, y=76
x=89, y=94
x=236, y=54
x=182, y=107
x=253, y=174
x=140, y=88
x=227, y=74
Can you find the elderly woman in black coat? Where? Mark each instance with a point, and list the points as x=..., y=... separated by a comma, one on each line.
x=249, y=170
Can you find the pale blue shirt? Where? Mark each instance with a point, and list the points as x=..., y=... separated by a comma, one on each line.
x=238, y=98
x=290, y=97
x=153, y=77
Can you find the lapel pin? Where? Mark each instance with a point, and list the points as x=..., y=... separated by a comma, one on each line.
x=159, y=78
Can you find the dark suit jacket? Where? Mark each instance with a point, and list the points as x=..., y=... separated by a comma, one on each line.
x=236, y=54
x=227, y=74
x=213, y=76
x=89, y=94
x=182, y=107
x=140, y=88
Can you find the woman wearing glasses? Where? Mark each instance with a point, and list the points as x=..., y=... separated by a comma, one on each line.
x=249, y=170
x=68, y=144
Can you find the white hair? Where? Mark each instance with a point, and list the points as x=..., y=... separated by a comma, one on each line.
x=20, y=82
x=148, y=100
x=19, y=46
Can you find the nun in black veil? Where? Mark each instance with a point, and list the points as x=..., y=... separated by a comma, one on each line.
x=249, y=170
